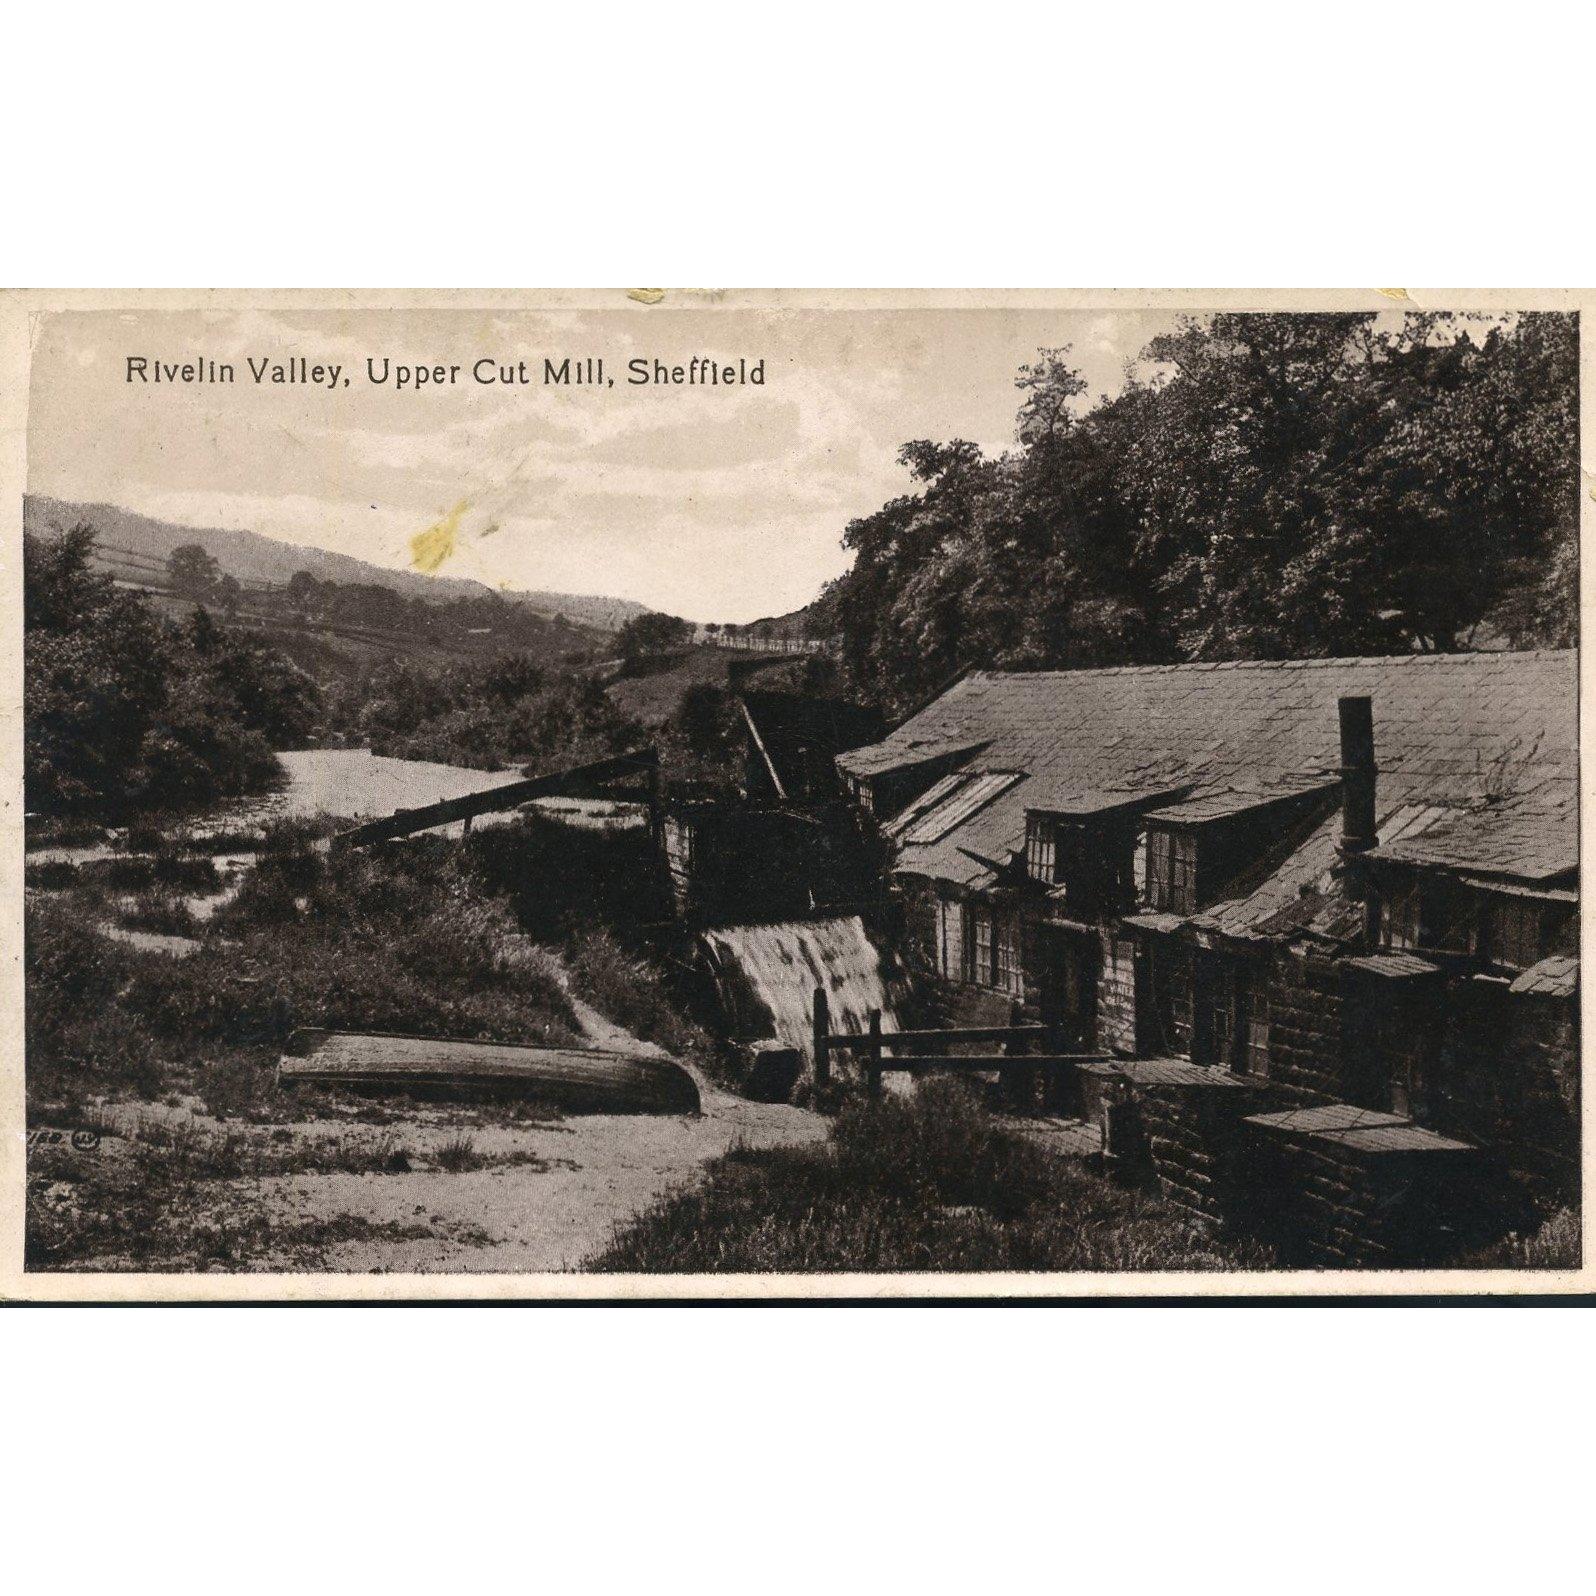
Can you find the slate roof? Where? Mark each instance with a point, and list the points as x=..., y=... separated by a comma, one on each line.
x=1534, y=840
x=1557, y=976
x=1450, y=730
x=1363, y=1130
x=1396, y=966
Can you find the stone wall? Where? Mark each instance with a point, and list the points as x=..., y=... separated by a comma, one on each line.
x=1508, y=1078
x=1116, y=994
x=1195, y=1150
x=1324, y=1206
x=1305, y=1035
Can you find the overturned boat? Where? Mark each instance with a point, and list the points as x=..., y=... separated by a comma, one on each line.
x=576, y=1079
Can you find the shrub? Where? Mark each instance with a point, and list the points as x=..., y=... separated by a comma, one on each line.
x=1557, y=1244
x=928, y=1182
x=459, y=1154
x=160, y=912
x=77, y=1034
x=630, y=992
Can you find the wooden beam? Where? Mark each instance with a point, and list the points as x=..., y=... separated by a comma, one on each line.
x=989, y=1033
x=510, y=796
x=759, y=743
x=822, y=1038
x=990, y=1061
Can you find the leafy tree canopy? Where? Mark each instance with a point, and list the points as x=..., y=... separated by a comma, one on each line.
x=1266, y=486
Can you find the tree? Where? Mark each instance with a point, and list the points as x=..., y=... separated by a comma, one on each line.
x=193, y=572
x=123, y=710
x=1270, y=485
x=651, y=633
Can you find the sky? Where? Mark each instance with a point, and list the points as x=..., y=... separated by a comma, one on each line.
x=715, y=503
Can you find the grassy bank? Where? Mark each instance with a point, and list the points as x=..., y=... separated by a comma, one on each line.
x=402, y=942
x=925, y=1182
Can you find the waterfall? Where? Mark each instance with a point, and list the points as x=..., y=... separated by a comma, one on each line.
x=767, y=975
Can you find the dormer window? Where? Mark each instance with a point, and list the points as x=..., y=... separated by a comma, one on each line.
x=1171, y=870
x=1198, y=848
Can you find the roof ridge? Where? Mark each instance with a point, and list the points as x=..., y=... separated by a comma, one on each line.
x=1314, y=662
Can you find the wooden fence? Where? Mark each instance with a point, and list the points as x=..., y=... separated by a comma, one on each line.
x=882, y=1048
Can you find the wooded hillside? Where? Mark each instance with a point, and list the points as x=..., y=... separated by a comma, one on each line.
x=1265, y=486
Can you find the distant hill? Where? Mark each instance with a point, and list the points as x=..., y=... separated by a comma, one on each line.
x=251, y=556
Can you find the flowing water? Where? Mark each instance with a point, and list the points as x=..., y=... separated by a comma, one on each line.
x=767, y=975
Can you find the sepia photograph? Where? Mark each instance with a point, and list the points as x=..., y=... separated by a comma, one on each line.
x=647, y=791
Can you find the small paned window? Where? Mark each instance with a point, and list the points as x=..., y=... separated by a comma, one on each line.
x=1399, y=917
x=1254, y=1056
x=1040, y=849
x=1172, y=968
x=1006, y=955
x=1172, y=871
x=981, y=946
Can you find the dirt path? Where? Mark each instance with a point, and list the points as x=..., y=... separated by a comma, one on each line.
x=551, y=1194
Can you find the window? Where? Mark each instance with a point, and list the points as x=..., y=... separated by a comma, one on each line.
x=955, y=801
x=1172, y=870
x=1512, y=929
x=1172, y=973
x=1219, y=1018
x=1399, y=916
x=1006, y=957
x=950, y=940
x=981, y=946
x=994, y=944
x=1040, y=849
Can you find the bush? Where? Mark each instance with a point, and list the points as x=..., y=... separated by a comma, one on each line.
x=631, y=993
x=928, y=1183
x=161, y=913
x=1557, y=1244
x=125, y=711
x=77, y=1033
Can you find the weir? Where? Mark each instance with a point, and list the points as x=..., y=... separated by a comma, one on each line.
x=765, y=977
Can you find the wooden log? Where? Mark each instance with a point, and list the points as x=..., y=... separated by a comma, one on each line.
x=580, y=1080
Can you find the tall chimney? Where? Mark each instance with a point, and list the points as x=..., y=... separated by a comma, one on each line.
x=1357, y=775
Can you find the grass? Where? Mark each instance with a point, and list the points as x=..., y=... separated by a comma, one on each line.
x=1555, y=1245
x=400, y=942
x=459, y=1154
x=161, y=912
x=928, y=1182
x=140, y=1218
x=632, y=993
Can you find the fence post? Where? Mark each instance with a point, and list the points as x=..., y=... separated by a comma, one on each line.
x=1056, y=1097
x=875, y=1052
x=822, y=1039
